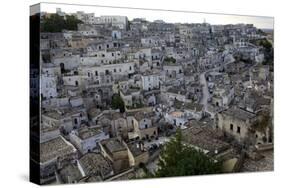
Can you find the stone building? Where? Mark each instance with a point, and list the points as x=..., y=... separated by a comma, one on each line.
x=236, y=122
x=115, y=150
x=53, y=154
x=143, y=126
x=86, y=138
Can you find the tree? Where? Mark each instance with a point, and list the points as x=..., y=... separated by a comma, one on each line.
x=71, y=22
x=56, y=23
x=170, y=60
x=268, y=52
x=267, y=49
x=177, y=159
x=118, y=103
x=261, y=32
x=262, y=122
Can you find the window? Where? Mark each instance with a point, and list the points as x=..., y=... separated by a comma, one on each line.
x=231, y=127
x=238, y=130
x=114, y=70
x=147, y=136
x=146, y=126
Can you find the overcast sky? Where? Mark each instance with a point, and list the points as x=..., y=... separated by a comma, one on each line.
x=167, y=16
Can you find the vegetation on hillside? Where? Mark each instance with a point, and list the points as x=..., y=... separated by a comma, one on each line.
x=267, y=50
x=118, y=103
x=170, y=60
x=177, y=159
x=56, y=23
x=262, y=122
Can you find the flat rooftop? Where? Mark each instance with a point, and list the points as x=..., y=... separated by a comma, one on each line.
x=58, y=114
x=87, y=132
x=189, y=106
x=135, y=149
x=239, y=113
x=113, y=145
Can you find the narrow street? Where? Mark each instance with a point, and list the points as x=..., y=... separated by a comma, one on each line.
x=205, y=90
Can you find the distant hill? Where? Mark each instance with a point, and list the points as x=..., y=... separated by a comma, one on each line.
x=269, y=31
